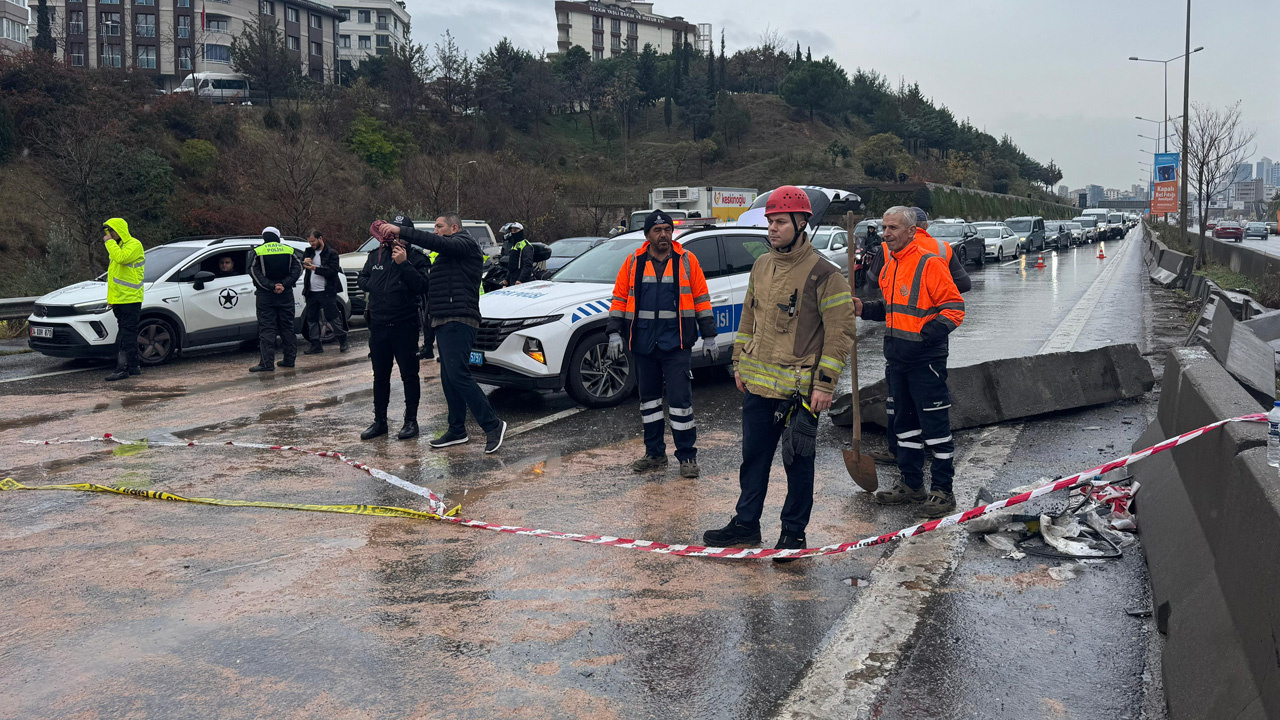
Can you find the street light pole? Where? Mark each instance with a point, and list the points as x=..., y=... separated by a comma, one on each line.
x=1165, y=63
x=1186, y=122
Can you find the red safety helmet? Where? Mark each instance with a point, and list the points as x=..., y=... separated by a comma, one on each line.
x=788, y=199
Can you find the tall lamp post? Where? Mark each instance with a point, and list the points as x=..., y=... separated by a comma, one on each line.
x=1186, y=122
x=1165, y=63
x=457, y=186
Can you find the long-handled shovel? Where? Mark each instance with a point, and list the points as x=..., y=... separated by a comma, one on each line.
x=862, y=468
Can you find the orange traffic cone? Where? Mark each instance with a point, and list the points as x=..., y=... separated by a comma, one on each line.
x=1101, y=255
x=1040, y=262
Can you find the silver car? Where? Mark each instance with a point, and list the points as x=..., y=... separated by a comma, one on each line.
x=833, y=242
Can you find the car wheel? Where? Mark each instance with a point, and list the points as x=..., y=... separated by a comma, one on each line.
x=157, y=341
x=964, y=256
x=981, y=258
x=1000, y=254
x=594, y=380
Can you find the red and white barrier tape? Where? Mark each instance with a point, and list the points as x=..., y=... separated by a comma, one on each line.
x=438, y=506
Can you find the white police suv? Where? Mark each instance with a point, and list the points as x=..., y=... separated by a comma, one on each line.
x=187, y=301
x=549, y=335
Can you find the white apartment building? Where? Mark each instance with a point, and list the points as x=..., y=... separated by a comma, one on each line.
x=14, y=20
x=170, y=39
x=607, y=28
x=370, y=27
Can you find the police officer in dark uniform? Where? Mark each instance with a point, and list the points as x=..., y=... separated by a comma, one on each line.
x=393, y=279
x=274, y=270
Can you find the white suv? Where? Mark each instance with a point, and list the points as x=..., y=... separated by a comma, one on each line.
x=550, y=335
x=184, y=304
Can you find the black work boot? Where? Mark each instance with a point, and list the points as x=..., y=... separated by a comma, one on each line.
x=735, y=534
x=262, y=368
x=315, y=349
x=789, y=541
x=343, y=345
x=410, y=429
x=122, y=368
x=377, y=429
x=135, y=370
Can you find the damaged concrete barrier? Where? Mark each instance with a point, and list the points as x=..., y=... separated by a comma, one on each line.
x=1210, y=522
x=1012, y=388
x=1171, y=269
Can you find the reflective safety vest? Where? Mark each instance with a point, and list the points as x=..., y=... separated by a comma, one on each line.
x=126, y=271
x=273, y=248
x=931, y=244
x=918, y=288
x=695, y=300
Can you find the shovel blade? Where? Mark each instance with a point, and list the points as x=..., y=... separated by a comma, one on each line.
x=862, y=468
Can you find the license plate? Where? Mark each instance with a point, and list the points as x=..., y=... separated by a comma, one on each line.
x=477, y=358
x=42, y=332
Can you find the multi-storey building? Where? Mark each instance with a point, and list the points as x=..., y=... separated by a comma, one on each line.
x=370, y=27
x=607, y=28
x=170, y=39
x=14, y=19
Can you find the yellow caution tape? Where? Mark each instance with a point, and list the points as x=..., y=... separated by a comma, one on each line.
x=377, y=510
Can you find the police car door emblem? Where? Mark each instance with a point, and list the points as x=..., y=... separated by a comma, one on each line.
x=228, y=298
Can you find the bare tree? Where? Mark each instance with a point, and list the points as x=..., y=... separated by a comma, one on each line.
x=1217, y=144
x=289, y=178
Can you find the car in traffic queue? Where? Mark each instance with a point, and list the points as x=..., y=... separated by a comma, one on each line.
x=1104, y=229
x=185, y=304
x=353, y=262
x=1089, y=224
x=1256, y=231
x=964, y=240
x=833, y=242
x=1119, y=223
x=1030, y=232
x=1229, y=230
x=1001, y=241
x=566, y=249
x=1057, y=234
x=1076, y=230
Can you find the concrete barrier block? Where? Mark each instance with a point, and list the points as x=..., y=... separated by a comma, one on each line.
x=1252, y=361
x=1011, y=388
x=1221, y=326
x=1265, y=325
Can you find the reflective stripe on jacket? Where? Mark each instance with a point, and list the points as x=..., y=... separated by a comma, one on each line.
x=696, y=316
x=931, y=244
x=127, y=267
x=797, y=329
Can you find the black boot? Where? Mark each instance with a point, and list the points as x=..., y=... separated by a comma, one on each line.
x=135, y=370
x=315, y=349
x=343, y=345
x=377, y=429
x=122, y=368
x=789, y=541
x=410, y=429
x=734, y=534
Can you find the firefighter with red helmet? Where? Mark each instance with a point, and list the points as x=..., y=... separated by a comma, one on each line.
x=792, y=344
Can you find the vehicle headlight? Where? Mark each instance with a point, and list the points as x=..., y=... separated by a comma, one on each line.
x=92, y=308
x=535, y=321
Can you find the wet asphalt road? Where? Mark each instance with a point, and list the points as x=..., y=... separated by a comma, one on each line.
x=120, y=607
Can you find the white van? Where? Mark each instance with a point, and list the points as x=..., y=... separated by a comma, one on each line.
x=216, y=87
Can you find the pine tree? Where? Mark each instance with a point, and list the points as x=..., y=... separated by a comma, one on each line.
x=711, y=75
x=44, y=36
x=666, y=112
x=724, y=64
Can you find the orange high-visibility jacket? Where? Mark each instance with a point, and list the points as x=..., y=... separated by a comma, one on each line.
x=930, y=244
x=695, y=314
x=918, y=290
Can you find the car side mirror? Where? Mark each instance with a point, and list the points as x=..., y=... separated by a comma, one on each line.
x=201, y=278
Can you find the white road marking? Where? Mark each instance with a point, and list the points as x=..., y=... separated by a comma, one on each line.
x=535, y=424
x=1064, y=336
x=51, y=374
x=858, y=656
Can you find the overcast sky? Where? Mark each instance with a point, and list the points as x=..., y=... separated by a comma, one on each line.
x=1053, y=74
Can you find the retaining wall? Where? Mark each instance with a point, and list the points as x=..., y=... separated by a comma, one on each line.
x=1209, y=513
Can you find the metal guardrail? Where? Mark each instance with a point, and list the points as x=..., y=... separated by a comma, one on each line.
x=16, y=308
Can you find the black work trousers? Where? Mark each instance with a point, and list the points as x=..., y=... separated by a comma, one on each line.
x=919, y=415
x=321, y=307
x=760, y=436
x=666, y=372
x=127, y=334
x=399, y=344
x=275, y=317
x=461, y=391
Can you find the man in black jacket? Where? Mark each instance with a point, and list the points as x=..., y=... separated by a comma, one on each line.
x=454, y=299
x=274, y=270
x=392, y=279
x=321, y=282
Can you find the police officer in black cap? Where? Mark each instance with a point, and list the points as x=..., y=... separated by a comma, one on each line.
x=275, y=269
x=393, y=278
